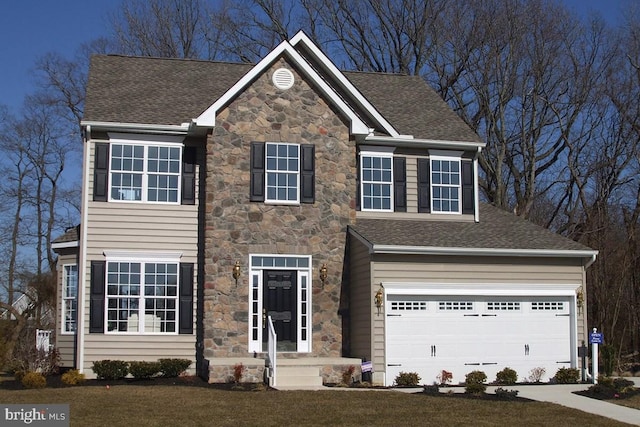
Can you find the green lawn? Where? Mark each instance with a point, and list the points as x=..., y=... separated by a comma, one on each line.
x=133, y=405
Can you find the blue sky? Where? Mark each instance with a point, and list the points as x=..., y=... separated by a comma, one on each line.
x=31, y=28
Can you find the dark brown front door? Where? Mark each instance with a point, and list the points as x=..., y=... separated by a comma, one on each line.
x=280, y=301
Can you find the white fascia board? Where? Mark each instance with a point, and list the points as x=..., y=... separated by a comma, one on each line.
x=64, y=245
x=208, y=118
x=436, y=250
x=182, y=129
x=484, y=289
x=126, y=256
x=301, y=37
x=424, y=143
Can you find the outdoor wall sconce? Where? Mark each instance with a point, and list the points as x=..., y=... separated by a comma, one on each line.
x=377, y=299
x=236, y=272
x=580, y=300
x=323, y=274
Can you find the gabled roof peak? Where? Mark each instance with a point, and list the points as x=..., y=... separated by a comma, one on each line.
x=290, y=49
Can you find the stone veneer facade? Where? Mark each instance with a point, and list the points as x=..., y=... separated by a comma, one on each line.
x=236, y=227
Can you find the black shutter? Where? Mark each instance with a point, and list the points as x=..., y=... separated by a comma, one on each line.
x=257, y=172
x=97, y=302
x=358, y=182
x=307, y=173
x=400, y=184
x=186, y=299
x=189, y=176
x=424, y=187
x=467, y=187
x=101, y=172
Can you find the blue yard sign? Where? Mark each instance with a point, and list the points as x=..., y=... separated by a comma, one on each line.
x=596, y=338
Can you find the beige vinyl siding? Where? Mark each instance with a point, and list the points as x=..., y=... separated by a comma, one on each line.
x=65, y=346
x=137, y=227
x=64, y=342
x=360, y=290
x=477, y=270
x=136, y=348
x=412, y=184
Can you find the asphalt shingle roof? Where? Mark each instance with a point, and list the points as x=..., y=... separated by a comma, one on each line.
x=174, y=91
x=71, y=234
x=497, y=229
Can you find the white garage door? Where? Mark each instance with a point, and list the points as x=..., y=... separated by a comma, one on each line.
x=428, y=334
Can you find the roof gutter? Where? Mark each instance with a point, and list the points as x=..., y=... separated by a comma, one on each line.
x=435, y=250
x=63, y=245
x=409, y=141
x=182, y=129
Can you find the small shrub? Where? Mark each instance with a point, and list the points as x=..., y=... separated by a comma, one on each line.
x=475, y=382
x=34, y=380
x=19, y=374
x=110, y=369
x=622, y=385
x=567, y=376
x=445, y=377
x=501, y=393
x=171, y=368
x=144, y=370
x=507, y=377
x=608, y=358
x=536, y=374
x=72, y=377
x=431, y=389
x=407, y=379
x=238, y=372
x=347, y=375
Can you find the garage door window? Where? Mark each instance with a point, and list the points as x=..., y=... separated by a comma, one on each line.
x=503, y=306
x=408, y=305
x=547, y=305
x=455, y=305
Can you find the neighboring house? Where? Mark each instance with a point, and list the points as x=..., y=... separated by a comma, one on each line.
x=342, y=205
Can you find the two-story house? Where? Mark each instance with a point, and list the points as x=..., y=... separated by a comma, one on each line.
x=343, y=206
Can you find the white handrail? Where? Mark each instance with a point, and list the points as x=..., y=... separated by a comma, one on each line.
x=273, y=339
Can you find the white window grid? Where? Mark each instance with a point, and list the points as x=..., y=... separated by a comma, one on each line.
x=455, y=305
x=445, y=185
x=142, y=297
x=282, y=173
x=377, y=182
x=408, y=305
x=547, y=305
x=503, y=305
x=145, y=172
x=69, y=298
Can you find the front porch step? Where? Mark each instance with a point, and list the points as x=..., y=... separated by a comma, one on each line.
x=298, y=376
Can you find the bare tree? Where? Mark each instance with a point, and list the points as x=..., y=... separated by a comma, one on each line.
x=163, y=28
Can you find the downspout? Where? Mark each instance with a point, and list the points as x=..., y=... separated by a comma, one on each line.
x=476, y=191
x=80, y=329
x=591, y=260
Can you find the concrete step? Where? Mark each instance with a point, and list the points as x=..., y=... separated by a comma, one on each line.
x=298, y=376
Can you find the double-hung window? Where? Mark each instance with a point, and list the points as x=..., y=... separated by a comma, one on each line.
x=69, y=298
x=283, y=172
x=145, y=172
x=445, y=185
x=376, y=181
x=142, y=297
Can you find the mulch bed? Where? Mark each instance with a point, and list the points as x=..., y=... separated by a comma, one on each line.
x=607, y=393
x=55, y=381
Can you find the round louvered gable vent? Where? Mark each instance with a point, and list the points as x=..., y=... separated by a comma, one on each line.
x=283, y=78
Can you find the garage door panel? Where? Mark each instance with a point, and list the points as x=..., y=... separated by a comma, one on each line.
x=426, y=334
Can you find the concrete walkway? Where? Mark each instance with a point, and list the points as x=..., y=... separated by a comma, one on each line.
x=562, y=394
